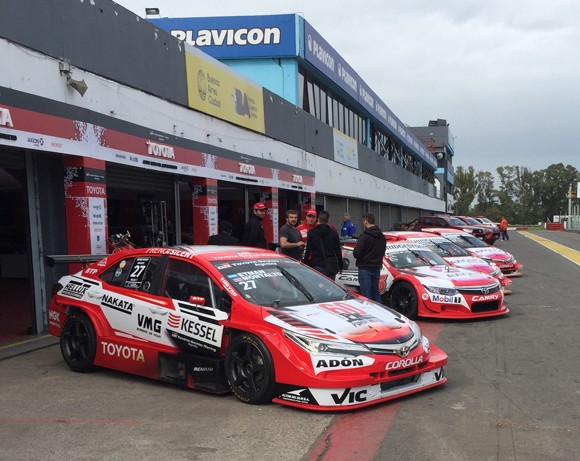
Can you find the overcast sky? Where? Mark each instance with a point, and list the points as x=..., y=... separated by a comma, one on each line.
x=504, y=74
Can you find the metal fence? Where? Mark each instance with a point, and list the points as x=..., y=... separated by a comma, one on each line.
x=573, y=223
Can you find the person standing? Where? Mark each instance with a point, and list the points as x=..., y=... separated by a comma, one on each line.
x=348, y=229
x=503, y=227
x=323, y=251
x=224, y=237
x=369, y=252
x=254, y=235
x=290, y=240
x=308, y=225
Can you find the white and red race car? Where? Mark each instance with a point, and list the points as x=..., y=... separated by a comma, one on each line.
x=453, y=254
x=502, y=259
x=248, y=320
x=419, y=283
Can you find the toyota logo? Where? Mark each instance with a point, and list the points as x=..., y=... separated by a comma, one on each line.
x=484, y=291
x=404, y=351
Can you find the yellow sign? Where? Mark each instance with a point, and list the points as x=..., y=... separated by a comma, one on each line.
x=213, y=91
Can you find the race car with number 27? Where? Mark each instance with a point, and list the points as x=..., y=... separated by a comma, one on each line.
x=252, y=321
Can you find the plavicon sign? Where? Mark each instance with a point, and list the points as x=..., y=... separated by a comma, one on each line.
x=236, y=36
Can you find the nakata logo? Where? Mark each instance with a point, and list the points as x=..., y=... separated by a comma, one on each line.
x=117, y=304
x=492, y=297
x=159, y=150
x=297, y=179
x=123, y=352
x=404, y=363
x=247, y=169
x=241, y=37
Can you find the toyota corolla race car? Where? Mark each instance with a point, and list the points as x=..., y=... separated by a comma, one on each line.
x=421, y=284
x=502, y=259
x=453, y=254
x=252, y=321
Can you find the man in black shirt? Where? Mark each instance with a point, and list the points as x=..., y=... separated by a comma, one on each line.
x=290, y=240
x=323, y=251
x=224, y=237
x=254, y=231
x=369, y=253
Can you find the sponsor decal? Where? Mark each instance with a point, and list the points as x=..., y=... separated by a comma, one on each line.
x=426, y=344
x=203, y=369
x=299, y=396
x=75, y=289
x=325, y=363
x=149, y=325
x=247, y=169
x=117, y=304
x=38, y=142
x=123, y=352
x=445, y=299
x=350, y=396
x=398, y=364
x=6, y=118
x=54, y=318
x=200, y=330
x=241, y=36
x=493, y=297
x=160, y=150
x=440, y=374
x=171, y=252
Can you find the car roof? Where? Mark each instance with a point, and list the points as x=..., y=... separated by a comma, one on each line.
x=206, y=252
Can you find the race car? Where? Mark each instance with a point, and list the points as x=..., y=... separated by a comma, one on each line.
x=502, y=259
x=453, y=254
x=252, y=321
x=419, y=283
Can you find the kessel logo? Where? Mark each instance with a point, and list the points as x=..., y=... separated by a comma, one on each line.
x=404, y=351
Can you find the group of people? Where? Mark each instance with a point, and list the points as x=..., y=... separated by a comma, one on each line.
x=316, y=242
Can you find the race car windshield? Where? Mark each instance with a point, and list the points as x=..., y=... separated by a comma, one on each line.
x=456, y=222
x=279, y=282
x=414, y=258
x=449, y=249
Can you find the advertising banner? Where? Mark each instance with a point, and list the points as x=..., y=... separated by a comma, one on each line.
x=345, y=149
x=236, y=36
x=214, y=91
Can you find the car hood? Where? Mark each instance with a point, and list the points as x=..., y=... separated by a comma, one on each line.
x=471, y=263
x=353, y=320
x=491, y=253
x=449, y=277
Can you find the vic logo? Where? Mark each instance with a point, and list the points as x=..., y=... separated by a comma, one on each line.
x=352, y=397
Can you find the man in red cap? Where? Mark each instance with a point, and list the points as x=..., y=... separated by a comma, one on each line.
x=254, y=235
x=309, y=224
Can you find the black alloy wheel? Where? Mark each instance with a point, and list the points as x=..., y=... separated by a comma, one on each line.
x=78, y=343
x=249, y=369
x=404, y=300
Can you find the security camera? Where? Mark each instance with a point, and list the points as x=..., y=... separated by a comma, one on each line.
x=440, y=155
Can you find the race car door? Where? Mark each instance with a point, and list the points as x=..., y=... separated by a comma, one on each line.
x=125, y=300
x=194, y=325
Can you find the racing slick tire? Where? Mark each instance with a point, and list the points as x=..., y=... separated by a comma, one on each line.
x=78, y=343
x=404, y=300
x=249, y=369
